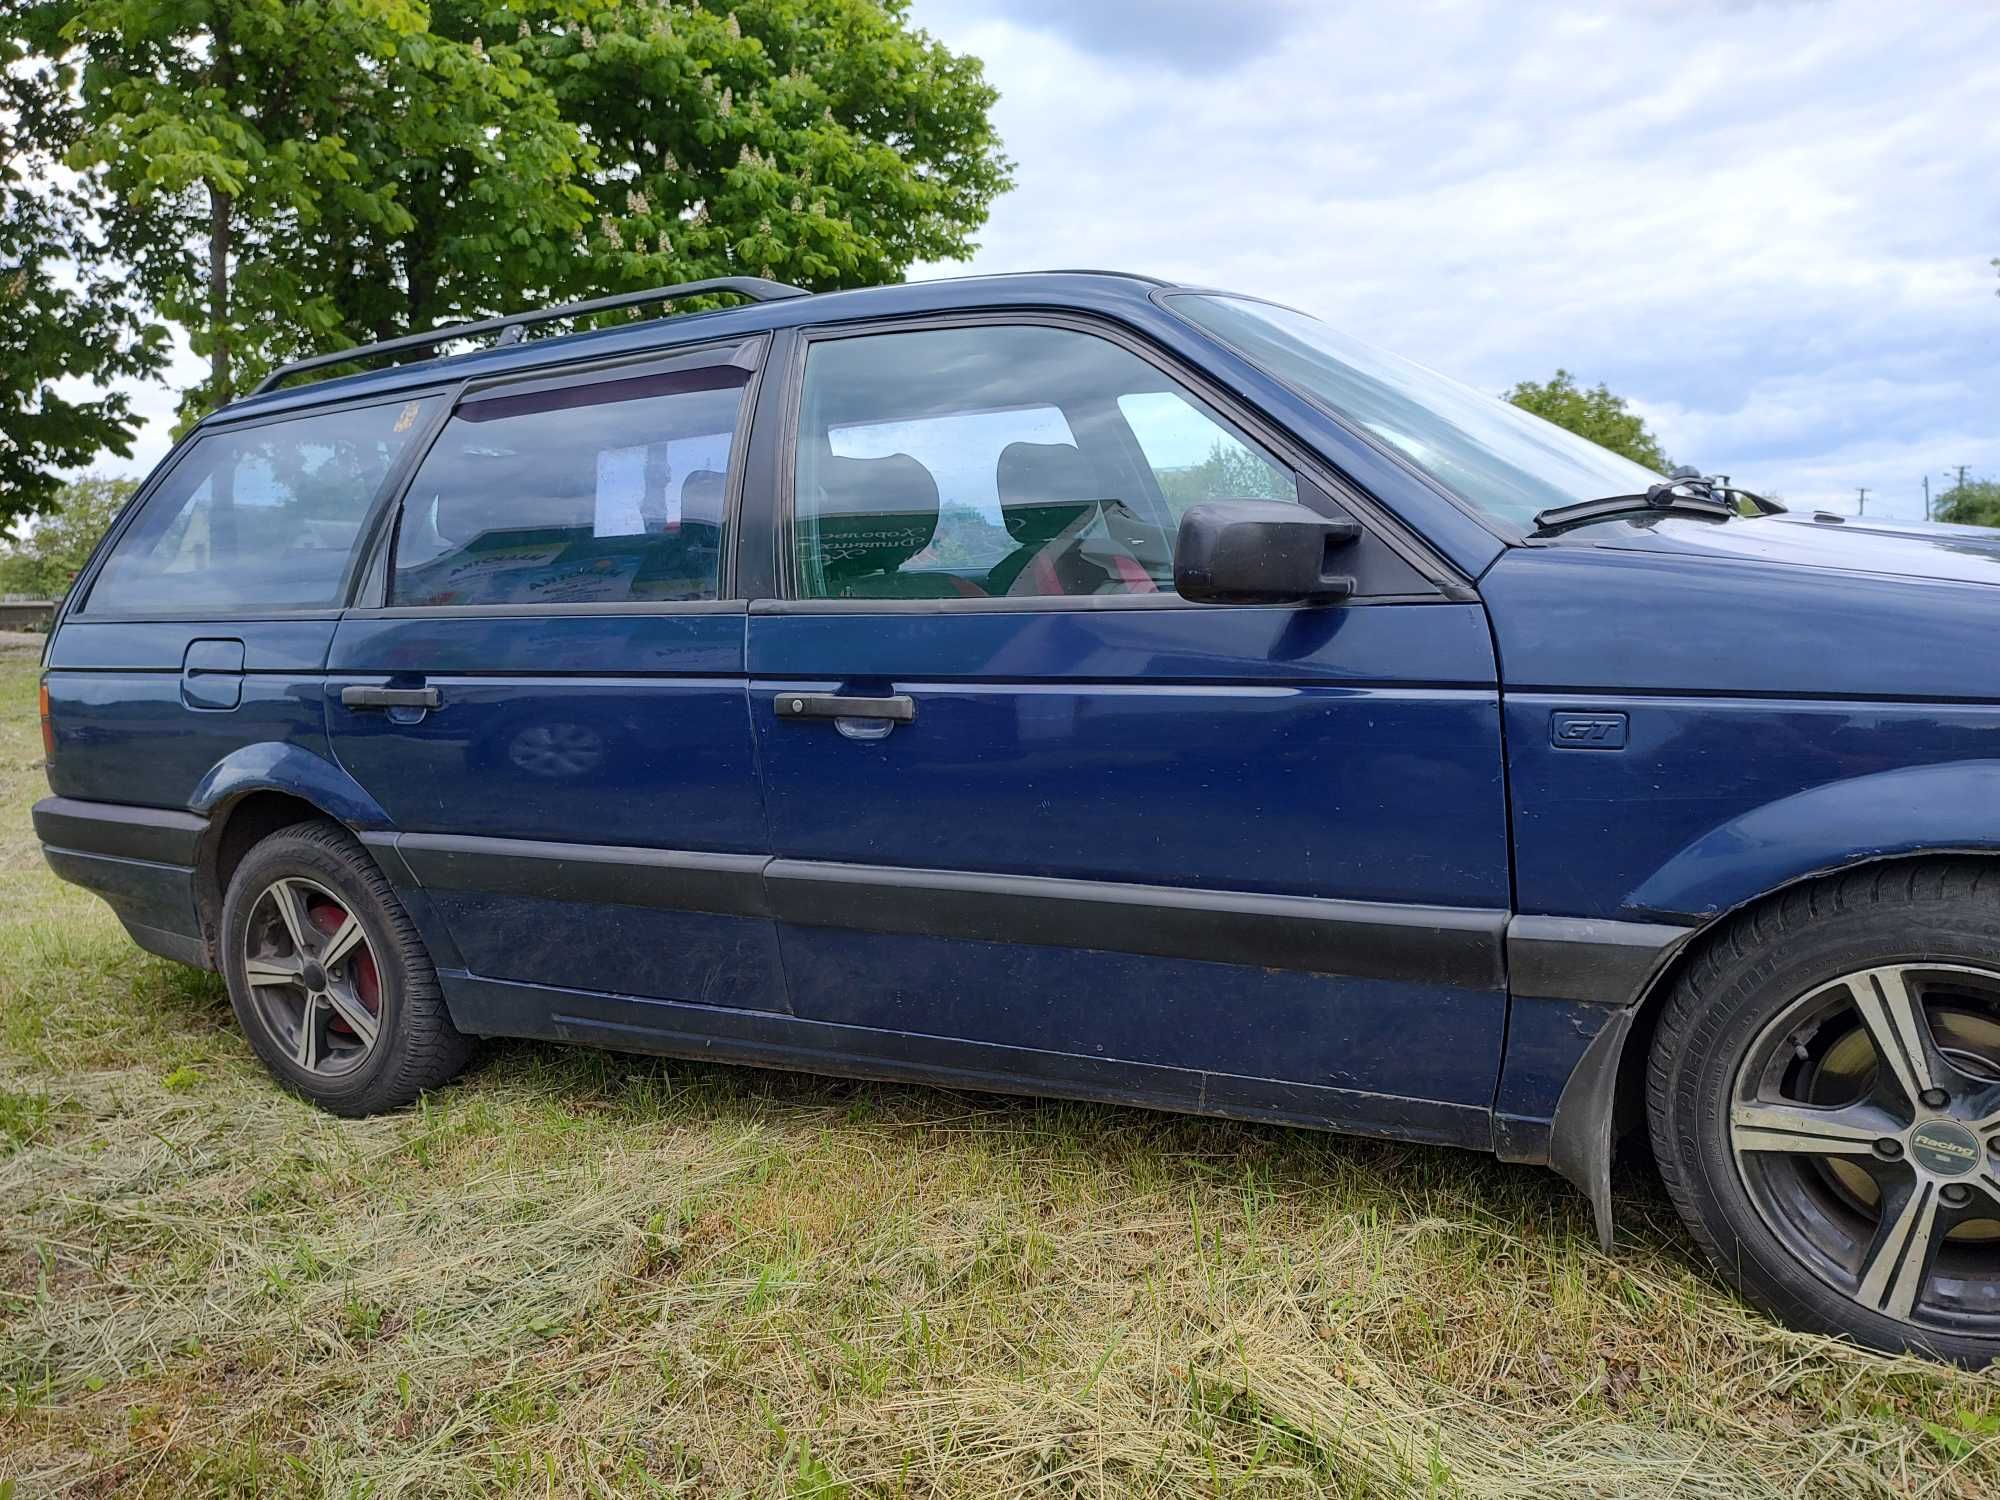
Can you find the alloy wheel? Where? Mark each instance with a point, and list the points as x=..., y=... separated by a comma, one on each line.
x=313, y=977
x=1865, y=1123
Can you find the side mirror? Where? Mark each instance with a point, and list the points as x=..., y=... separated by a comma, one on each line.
x=1261, y=552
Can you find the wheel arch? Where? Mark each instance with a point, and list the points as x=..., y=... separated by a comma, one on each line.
x=1604, y=1102
x=1910, y=812
x=252, y=794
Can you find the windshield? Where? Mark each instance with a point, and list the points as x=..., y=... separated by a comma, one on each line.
x=1488, y=452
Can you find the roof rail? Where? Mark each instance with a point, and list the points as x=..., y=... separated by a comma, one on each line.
x=512, y=327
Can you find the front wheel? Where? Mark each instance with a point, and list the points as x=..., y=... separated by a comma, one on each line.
x=1824, y=1094
x=328, y=977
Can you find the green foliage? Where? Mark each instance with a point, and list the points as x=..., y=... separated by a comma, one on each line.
x=822, y=142
x=251, y=141
x=300, y=177
x=1230, y=472
x=1592, y=413
x=41, y=564
x=62, y=313
x=1976, y=502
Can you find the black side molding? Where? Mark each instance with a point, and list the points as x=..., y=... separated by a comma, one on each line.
x=1585, y=958
x=729, y=885
x=1442, y=945
x=1433, y=945
x=155, y=834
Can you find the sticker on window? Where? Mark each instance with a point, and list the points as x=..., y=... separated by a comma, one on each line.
x=621, y=492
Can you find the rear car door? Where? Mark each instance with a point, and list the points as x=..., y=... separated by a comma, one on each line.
x=547, y=693
x=1036, y=816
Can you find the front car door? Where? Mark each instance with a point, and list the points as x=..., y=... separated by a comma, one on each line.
x=547, y=697
x=1034, y=816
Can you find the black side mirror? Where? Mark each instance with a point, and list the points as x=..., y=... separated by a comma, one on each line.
x=1261, y=552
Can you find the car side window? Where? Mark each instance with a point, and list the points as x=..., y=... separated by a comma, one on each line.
x=601, y=492
x=263, y=517
x=1002, y=462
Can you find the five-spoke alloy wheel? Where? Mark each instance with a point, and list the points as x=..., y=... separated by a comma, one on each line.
x=1825, y=1099
x=312, y=976
x=329, y=978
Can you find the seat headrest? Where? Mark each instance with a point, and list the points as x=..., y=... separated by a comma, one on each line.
x=873, y=515
x=701, y=498
x=1043, y=488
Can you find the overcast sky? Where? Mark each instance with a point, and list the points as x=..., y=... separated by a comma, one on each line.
x=1769, y=225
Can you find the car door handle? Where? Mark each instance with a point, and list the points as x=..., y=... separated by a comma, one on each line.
x=388, y=697
x=897, y=710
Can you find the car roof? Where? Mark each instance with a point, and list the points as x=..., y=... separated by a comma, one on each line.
x=1108, y=292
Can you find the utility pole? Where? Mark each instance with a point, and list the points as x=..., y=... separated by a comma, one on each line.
x=1927, y=497
x=1863, y=492
x=1959, y=488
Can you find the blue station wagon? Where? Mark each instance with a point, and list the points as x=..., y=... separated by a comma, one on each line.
x=1078, y=685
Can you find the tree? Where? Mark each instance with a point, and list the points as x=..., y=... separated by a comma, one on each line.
x=63, y=313
x=1595, y=414
x=1230, y=471
x=42, y=563
x=821, y=142
x=302, y=177
x=1975, y=502
x=250, y=140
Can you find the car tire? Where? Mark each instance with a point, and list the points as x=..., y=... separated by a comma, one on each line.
x=1824, y=1099
x=328, y=977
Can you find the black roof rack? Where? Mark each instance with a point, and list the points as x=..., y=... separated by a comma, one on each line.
x=512, y=327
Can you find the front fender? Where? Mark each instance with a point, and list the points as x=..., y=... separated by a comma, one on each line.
x=273, y=766
x=1934, y=809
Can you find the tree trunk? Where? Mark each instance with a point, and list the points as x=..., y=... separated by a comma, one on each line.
x=223, y=74
x=218, y=293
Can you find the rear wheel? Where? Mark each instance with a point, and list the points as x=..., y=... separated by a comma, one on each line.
x=328, y=977
x=1825, y=1104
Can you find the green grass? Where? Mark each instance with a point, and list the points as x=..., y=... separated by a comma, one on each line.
x=582, y=1274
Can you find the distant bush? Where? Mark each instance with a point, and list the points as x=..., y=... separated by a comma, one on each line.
x=40, y=563
x=1974, y=503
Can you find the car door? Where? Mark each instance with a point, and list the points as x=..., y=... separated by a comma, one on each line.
x=547, y=697
x=1035, y=816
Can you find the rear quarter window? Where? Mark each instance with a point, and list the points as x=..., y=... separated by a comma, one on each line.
x=264, y=517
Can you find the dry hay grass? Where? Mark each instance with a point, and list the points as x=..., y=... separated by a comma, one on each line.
x=578, y=1274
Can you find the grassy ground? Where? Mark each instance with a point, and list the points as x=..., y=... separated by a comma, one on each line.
x=575, y=1273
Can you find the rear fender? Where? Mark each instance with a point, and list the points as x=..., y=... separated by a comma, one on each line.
x=273, y=766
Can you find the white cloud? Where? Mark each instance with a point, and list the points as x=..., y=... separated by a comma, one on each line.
x=1767, y=224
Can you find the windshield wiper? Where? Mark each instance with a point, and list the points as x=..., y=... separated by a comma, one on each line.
x=1686, y=493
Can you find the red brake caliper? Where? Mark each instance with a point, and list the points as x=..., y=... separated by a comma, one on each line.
x=328, y=916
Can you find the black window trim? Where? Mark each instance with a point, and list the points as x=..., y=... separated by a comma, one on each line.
x=748, y=353
x=1449, y=586
x=222, y=423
